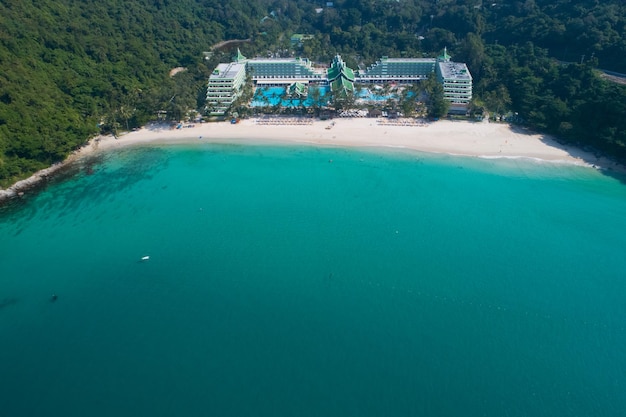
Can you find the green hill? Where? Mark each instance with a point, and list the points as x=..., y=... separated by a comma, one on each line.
x=72, y=68
x=68, y=66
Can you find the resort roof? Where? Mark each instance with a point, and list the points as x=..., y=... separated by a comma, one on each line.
x=444, y=55
x=454, y=71
x=338, y=69
x=342, y=85
x=297, y=89
x=227, y=71
x=400, y=67
x=239, y=57
x=300, y=37
x=282, y=68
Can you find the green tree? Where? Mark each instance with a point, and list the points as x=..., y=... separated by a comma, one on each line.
x=341, y=99
x=438, y=106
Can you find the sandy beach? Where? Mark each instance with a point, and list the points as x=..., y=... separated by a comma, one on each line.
x=488, y=140
x=472, y=139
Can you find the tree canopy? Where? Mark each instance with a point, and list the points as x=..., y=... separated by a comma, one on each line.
x=70, y=69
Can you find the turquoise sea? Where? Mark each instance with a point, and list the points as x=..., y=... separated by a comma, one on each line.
x=303, y=281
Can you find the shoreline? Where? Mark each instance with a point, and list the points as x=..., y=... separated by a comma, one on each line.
x=42, y=176
x=456, y=138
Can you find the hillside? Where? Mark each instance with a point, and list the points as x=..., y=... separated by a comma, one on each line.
x=68, y=66
x=69, y=69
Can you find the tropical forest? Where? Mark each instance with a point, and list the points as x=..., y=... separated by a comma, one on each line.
x=73, y=69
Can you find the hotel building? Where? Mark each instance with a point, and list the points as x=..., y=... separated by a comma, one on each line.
x=224, y=86
x=457, y=83
x=397, y=70
x=289, y=72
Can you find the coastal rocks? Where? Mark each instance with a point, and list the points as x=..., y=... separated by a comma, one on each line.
x=18, y=189
x=7, y=194
x=42, y=176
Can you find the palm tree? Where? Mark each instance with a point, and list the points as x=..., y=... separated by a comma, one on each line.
x=315, y=96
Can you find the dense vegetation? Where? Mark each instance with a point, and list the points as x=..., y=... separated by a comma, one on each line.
x=69, y=69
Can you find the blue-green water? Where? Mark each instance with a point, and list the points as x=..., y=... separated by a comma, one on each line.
x=274, y=96
x=315, y=282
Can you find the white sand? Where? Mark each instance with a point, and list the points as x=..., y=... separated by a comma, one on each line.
x=490, y=140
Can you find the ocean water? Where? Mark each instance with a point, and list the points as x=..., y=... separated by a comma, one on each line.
x=302, y=281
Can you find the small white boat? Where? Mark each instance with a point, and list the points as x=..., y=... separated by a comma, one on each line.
x=145, y=258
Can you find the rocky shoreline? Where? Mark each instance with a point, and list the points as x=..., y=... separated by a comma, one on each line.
x=43, y=176
x=21, y=187
x=483, y=140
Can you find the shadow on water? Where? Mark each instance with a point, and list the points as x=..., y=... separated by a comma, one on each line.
x=12, y=206
x=6, y=302
x=126, y=168
x=91, y=178
x=98, y=175
x=67, y=171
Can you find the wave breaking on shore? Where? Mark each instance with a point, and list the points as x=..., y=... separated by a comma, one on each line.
x=458, y=138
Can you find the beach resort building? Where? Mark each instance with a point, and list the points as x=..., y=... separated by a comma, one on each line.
x=454, y=76
x=297, y=90
x=224, y=86
x=397, y=70
x=295, y=75
x=340, y=77
x=457, y=83
x=282, y=71
x=279, y=71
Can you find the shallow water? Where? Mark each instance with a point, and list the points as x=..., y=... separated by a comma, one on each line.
x=310, y=281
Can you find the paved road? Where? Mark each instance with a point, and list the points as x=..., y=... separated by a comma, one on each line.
x=616, y=77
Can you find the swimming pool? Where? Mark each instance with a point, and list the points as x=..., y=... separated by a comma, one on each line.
x=366, y=94
x=275, y=96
